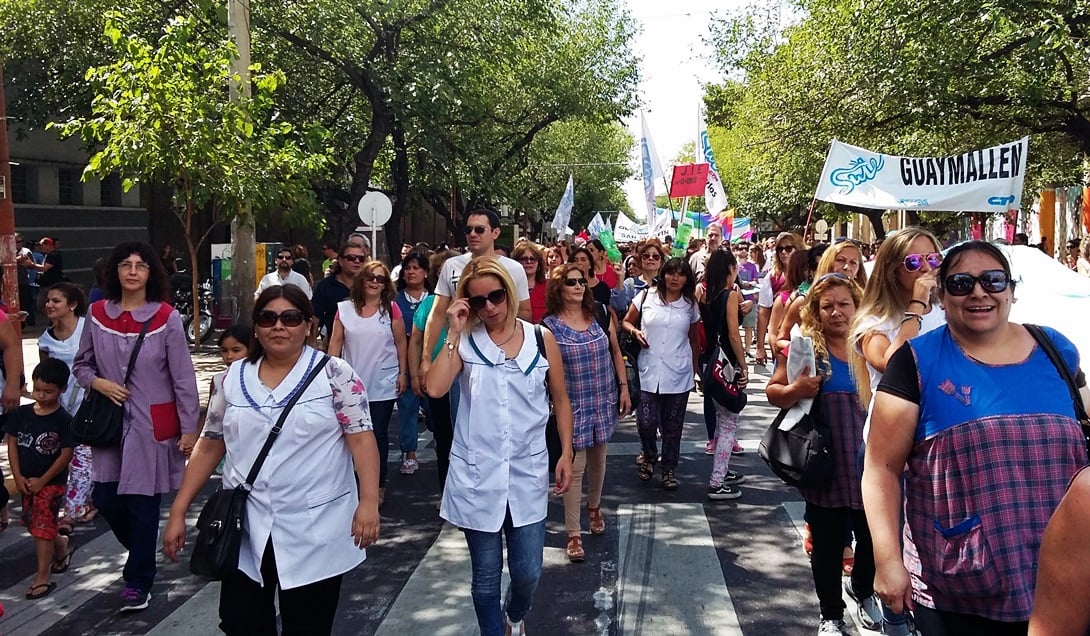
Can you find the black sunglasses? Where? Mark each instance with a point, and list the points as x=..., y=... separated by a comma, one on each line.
x=288, y=318
x=785, y=248
x=572, y=282
x=376, y=278
x=992, y=281
x=476, y=229
x=495, y=297
x=354, y=258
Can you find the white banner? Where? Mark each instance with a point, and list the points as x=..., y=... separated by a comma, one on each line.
x=661, y=225
x=651, y=168
x=564, y=209
x=715, y=198
x=988, y=180
x=628, y=231
x=597, y=225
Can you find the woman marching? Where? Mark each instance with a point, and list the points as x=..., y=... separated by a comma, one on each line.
x=497, y=487
x=592, y=360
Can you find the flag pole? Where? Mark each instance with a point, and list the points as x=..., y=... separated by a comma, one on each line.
x=809, y=215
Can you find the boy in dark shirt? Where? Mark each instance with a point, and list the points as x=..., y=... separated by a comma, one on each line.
x=39, y=449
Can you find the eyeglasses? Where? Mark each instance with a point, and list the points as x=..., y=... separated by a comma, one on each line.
x=991, y=281
x=283, y=257
x=139, y=266
x=476, y=229
x=528, y=260
x=288, y=318
x=572, y=282
x=652, y=256
x=354, y=258
x=376, y=278
x=913, y=262
x=496, y=296
x=785, y=248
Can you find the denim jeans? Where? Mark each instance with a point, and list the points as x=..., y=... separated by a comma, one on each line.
x=408, y=405
x=525, y=550
x=381, y=413
x=134, y=520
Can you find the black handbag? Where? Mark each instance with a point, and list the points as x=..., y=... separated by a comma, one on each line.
x=802, y=456
x=720, y=375
x=221, y=523
x=1057, y=360
x=98, y=422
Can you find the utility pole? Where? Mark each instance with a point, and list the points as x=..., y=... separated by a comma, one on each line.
x=10, y=288
x=243, y=240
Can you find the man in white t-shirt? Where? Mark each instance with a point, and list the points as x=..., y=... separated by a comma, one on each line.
x=712, y=237
x=284, y=275
x=482, y=230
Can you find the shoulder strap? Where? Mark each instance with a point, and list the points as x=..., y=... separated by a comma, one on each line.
x=540, y=340
x=136, y=349
x=1057, y=360
x=252, y=476
x=601, y=314
x=643, y=299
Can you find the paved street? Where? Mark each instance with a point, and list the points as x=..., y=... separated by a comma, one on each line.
x=675, y=562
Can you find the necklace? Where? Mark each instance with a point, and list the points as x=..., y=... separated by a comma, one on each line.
x=509, y=338
x=257, y=407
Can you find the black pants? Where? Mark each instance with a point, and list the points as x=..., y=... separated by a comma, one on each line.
x=443, y=434
x=827, y=527
x=938, y=623
x=247, y=609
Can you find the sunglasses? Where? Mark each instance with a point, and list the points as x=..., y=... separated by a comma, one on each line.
x=572, y=282
x=652, y=256
x=288, y=318
x=496, y=296
x=528, y=260
x=476, y=229
x=785, y=248
x=913, y=262
x=354, y=258
x=992, y=281
x=376, y=278
x=284, y=257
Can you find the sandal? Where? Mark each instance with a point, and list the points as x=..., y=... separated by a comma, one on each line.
x=61, y=566
x=646, y=471
x=64, y=527
x=669, y=482
x=46, y=589
x=807, y=539
x=575, y=550
x=597, y=521
x=847, y=564
x=88, y=516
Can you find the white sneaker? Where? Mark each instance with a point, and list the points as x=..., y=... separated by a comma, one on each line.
x=513, y=629
x=869, y=609
x=830, y=627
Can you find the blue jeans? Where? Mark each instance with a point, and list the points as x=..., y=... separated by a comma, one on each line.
x=381, y=413
x=525, y=549
x=408, y=405
x=134, y=520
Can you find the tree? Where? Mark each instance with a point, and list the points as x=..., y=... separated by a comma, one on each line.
x=161, y=114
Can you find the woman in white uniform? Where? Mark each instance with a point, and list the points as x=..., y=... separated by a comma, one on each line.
x=305, y=523
x=499, y=465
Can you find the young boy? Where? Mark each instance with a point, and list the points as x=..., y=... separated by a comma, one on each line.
x=39, y=449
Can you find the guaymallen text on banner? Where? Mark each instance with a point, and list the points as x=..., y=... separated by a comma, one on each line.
x=988, y=180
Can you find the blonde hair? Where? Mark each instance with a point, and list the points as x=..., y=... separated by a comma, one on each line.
x=778, y=268
x=827, y=264
x=810, y=316
x=489, y=266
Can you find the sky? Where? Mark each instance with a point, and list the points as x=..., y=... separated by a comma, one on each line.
x=675, y=62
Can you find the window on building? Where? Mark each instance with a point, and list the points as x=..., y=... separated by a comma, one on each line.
x=110, y=189
x=23, y=187
x=69, y=188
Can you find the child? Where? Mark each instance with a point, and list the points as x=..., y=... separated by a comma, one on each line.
x=39, y=449
x=234, y=344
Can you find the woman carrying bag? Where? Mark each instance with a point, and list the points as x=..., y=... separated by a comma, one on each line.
x=306, y=521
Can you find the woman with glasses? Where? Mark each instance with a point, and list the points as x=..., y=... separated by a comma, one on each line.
x=975, y=420
x=592, y=365
x=584, y=258
x=159, y=400
x=785, y=244
x=649, y=256
x=530, y=256
x=307, y=521
x=369, y=334
x=497, y=487
x=843, y=257
x=668, y=317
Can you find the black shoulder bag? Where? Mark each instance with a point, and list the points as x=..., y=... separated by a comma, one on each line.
x=1057, y=360
x=221, y=522
x=801, y=457
x=721, y=373
x=98, y=422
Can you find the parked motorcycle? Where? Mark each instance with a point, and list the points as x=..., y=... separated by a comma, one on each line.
x=182, y=295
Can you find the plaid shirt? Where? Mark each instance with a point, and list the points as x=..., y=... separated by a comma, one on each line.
x=588, y=368
x=844, y=416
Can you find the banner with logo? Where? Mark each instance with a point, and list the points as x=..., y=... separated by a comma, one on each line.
x=988, y=180
x=650, y=166
x=628, y=231
x=715, y=197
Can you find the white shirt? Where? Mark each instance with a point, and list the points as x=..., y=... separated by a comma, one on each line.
x=499, y=458
x=304, y=497
x=293, y=278
x=65, y=351
x=698, y=261
x=666, y=365
x=452, y=273
x=369, y=347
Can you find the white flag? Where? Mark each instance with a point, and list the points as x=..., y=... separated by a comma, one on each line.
x=652, y=168
x=660, y=223
x=564, y=210
x=628, y=231
x=715, y=197
x=597, y=225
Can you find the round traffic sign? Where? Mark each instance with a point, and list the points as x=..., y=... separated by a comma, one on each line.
x=375, y=209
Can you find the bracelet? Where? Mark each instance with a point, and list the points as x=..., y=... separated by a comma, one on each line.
x=920, y=302
x=910, y=316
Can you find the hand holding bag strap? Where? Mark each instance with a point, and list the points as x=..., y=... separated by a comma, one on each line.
x=250, y=478
x=1057, y=360
x=136, y=350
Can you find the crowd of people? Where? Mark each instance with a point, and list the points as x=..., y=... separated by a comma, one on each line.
x=938, y=519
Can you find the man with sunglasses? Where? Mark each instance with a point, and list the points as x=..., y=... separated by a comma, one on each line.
x=482, y=230
x=333, y=289
x=284, y=274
